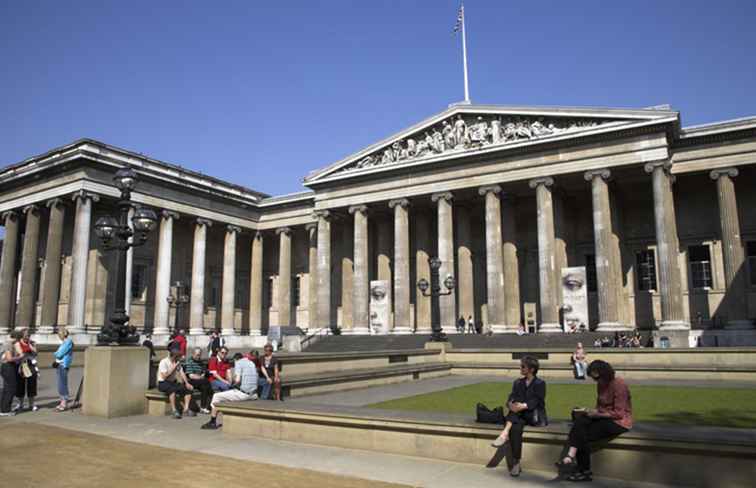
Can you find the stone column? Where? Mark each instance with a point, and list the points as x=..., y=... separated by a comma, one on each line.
x=284, y=276
x=80, y=255
x=512, y=316
x=163, y=278
x=732, y=248
x=402, y=284
x=312, y=270
x=51, y=281
x=422, y=271
x=228, y=290
x=256, y=285
x=324, y=268
x=8, y=270
x=446, y=303
x=670, y=287
x=197, y=299
x=29, y=263
x=608, y=268
x=494, y=260
x=361, y=279
x=465, y=282
x=549, y=295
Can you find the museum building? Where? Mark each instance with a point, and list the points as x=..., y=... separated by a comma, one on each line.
x=656, y=222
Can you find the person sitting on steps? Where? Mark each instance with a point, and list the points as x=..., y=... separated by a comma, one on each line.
x=245, y=388
x=527, y=406
x=173, y=382
x=220, y=370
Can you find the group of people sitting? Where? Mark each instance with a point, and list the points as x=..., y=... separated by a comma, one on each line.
x=222, y=380
x=621, y=340
x=611, y=417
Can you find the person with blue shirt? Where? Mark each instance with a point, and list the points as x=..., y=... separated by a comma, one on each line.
x=63, y=360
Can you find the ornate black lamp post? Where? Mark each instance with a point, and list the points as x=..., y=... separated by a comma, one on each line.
x=438, y=334
x=179, y=296
x=116, y=235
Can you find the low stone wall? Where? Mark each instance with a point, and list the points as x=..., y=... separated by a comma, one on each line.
x=689, y=457
x=312, y=363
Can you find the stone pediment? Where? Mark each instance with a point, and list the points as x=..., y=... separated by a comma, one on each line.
x=473, y=129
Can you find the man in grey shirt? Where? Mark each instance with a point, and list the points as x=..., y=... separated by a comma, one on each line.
x=244, y=388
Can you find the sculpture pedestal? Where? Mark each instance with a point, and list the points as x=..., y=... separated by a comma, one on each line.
x=115, y=381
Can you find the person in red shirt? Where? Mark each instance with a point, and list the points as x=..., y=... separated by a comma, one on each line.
x=219, y=369
x=612, y=416
x=180, y=339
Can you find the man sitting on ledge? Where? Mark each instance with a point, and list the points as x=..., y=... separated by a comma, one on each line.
x=219, y=368
x=244, y=388
x=173, y=382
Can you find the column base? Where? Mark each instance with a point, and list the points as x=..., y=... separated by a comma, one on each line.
x=197, y=331
x=423, y=331
x=504, y=329
x=401, y=331
x=674, y=325
x=160, y=331
x=449, y=329
x=45, y=329
x=228, y=332
x=612, y=327
x=255, y=333
x=356, y=331
x=739, y=324
x=549, y=328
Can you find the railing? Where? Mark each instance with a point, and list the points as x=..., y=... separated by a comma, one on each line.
x=311, y=339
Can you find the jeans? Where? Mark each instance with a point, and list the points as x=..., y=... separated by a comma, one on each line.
x=266, y=387
x=62, y=374
x=218, y=385
x=586, y=430
x=8, y=371
x=580, y=369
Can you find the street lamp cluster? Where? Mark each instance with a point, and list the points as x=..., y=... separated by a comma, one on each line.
x=116, y=235
x=437, y=334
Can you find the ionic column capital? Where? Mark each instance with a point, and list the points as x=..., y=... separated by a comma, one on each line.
x=33, y=208
x=169, y=214
x=445, y=195
x=546, y=181
x=283, y=230
x=311, y=226
x=10, y=214
x=322, y=214
x=730, y=172
x=85, y=195
x=363, y=209
x=258, y=236
x=233, y=229
x=485, y=190
x=666, y=165
x=199, y=221
x=402, y=202
x=55, y=202
x=604, y=174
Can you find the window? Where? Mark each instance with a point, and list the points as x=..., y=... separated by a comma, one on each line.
x=215, y=291
x=138, y=281
x=296, y=290
x=590, y=272
x=751, y=252
x=646, y=269
x=269, y=293
x=700, y=266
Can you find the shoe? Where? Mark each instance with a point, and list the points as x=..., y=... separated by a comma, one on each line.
x=176, y=414
x=515, y=471
x=204, y=411
x=191, y=413
x=499, y=441
x=34, y=408
x=211, y=425
x=580, y=476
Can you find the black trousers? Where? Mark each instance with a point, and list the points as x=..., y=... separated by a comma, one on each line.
x=8, y=371
x=26, y=386
x=515, y=433
x=206, y=391
x=586, y=430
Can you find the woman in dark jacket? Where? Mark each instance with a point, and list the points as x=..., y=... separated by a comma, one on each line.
x=527, y=406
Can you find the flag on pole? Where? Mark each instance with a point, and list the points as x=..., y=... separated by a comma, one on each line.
x=460, y=19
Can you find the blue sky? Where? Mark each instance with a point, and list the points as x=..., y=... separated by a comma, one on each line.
x=261, y=93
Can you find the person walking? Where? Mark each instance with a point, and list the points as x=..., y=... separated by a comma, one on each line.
x=28, y=373
x=612, y=416
x=527, y=406
x=471, y=325
x=461, y=324
x=62, y=364
x=9, y=360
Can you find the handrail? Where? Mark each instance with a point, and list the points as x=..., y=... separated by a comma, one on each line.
x=323, y=331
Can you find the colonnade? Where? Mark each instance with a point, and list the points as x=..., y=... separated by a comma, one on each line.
x=452, y=218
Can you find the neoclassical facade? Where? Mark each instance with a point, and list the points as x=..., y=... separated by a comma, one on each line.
x=662, y=217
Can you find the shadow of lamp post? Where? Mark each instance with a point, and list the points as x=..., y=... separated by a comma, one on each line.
x=437, y=334
x=179, y=297
x=116, y=235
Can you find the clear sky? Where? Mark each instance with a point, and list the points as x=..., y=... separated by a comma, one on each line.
x=261, y=93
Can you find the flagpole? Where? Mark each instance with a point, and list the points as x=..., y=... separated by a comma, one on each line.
x=464, y=54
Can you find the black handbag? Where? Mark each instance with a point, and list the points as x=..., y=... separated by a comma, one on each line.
x=55, y=364
x=485, y=415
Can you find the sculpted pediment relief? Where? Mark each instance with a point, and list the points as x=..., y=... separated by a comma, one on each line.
x=472, y=132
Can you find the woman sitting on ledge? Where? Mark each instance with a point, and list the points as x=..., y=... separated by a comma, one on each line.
x=612, y=416
x=527, y=406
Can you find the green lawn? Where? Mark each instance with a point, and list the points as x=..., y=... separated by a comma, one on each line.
x=727, y=407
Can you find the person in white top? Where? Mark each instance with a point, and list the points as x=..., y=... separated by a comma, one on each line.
x=173, y=382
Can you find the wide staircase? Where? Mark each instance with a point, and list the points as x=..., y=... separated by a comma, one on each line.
x=343, y=343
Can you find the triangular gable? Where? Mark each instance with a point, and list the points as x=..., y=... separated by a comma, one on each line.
x=471, y=129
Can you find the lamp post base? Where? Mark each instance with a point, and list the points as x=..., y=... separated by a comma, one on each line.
x=122, y=335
